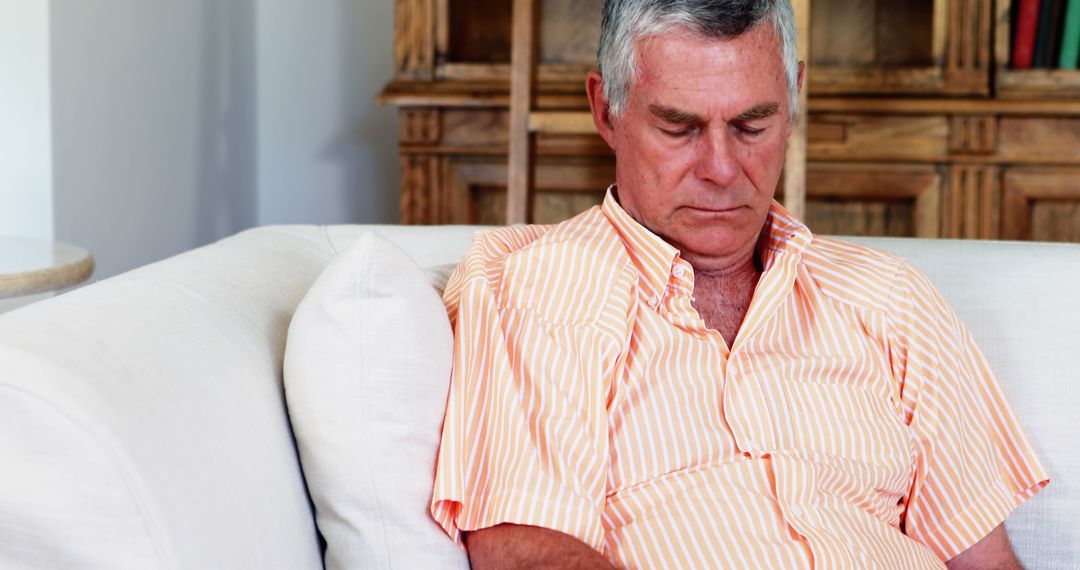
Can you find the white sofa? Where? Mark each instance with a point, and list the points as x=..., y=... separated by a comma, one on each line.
x=143, y=423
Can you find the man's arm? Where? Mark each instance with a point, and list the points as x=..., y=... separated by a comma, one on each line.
x=511, y=546
x=993, y=552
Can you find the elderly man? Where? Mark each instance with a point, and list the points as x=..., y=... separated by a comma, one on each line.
x=686, y=377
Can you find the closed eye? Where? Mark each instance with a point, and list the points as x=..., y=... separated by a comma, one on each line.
x=678, y=133
x=749, y=131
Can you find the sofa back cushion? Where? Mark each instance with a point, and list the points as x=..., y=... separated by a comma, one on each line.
x=142, y=421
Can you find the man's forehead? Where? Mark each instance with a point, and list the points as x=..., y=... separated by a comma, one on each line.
x=735, y=77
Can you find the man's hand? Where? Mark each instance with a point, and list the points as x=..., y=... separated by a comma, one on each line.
x=514, y=546
x=993, y=552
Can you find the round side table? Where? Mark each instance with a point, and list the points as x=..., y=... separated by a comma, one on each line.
x=29, y=266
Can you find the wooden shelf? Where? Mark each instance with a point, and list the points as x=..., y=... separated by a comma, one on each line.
x=571, y=96
x=915, y=124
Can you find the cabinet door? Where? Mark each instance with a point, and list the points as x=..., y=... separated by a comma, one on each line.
x=897, y=200
x=1041, y=204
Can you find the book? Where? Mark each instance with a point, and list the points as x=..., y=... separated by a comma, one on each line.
x=1027, y=20
x=1070, y=37
x=1048, y=34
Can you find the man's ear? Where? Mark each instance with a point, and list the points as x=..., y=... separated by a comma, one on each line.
x=601, y=110
x=802, y=74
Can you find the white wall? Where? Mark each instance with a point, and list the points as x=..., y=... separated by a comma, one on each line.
x=26, y=184
x=326, y=153
x=153, y=126
x=178, y=122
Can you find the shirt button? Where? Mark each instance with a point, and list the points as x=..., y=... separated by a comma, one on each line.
x=654, y=301
x=680, y=272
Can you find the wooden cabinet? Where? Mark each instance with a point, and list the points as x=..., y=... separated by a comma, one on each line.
x=916, y=126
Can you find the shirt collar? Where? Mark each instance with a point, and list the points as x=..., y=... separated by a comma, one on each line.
x=651, y=255
x=655, y=258
x=783, y=233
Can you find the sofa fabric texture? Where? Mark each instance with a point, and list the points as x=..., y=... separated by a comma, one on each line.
x=144, y=420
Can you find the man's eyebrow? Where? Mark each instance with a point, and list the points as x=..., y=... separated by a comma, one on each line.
x=673, y=115
x=759, y=112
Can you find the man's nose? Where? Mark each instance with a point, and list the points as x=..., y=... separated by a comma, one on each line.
x=717, y=158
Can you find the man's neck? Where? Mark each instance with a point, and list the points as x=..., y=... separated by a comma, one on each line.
x=722, y=296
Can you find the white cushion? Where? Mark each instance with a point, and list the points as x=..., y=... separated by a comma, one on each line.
x=367, y=369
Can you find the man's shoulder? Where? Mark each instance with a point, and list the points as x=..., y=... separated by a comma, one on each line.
x=853, y=273
x=563, y=272
x=588, y=233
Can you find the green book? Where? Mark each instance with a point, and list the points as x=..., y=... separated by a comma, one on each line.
x=1070, y=41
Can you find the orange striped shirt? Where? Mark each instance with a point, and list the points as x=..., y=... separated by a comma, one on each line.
x=853, y=423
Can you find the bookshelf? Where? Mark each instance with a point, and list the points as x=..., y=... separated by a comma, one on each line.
x=916, y=124
x=1027, y=83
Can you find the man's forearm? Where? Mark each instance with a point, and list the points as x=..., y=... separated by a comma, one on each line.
x=510, y=546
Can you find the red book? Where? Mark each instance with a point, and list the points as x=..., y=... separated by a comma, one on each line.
x=1027, y=20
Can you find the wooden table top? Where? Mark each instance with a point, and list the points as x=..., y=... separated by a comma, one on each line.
x=29, y=266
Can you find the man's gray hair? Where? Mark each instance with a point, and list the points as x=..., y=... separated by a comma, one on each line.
x=625, y=22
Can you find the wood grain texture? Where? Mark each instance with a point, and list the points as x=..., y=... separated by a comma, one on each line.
x=795, y=160
x=973, y=134
x=562, y=122
x=972, y=202
x=844, y=34
x=918, y=98
x=905, y=30
x=562, y=189
x=877, y=137
x=522, y=78
x=1041, y=204
x=968, y=63
x=570, y=32
x=477, y=30
x=419, y=183
x=419, y=126
x=874, y=199
x=1053, y=139
x=414, y=39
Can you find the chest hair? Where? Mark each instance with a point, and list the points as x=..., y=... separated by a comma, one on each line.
x=722, y=300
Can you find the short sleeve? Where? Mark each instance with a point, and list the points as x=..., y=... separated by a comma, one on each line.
x=525, y=437
x=973, y=463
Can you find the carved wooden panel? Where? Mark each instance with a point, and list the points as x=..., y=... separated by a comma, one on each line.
x=873, y=200
x=1039, y=139
x=414, y=39
x=972, y=202
x=968, y=65
x=878, y=137
x=419, y=126
x=1041, y=204
x=973, y=134
x=420, y=185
